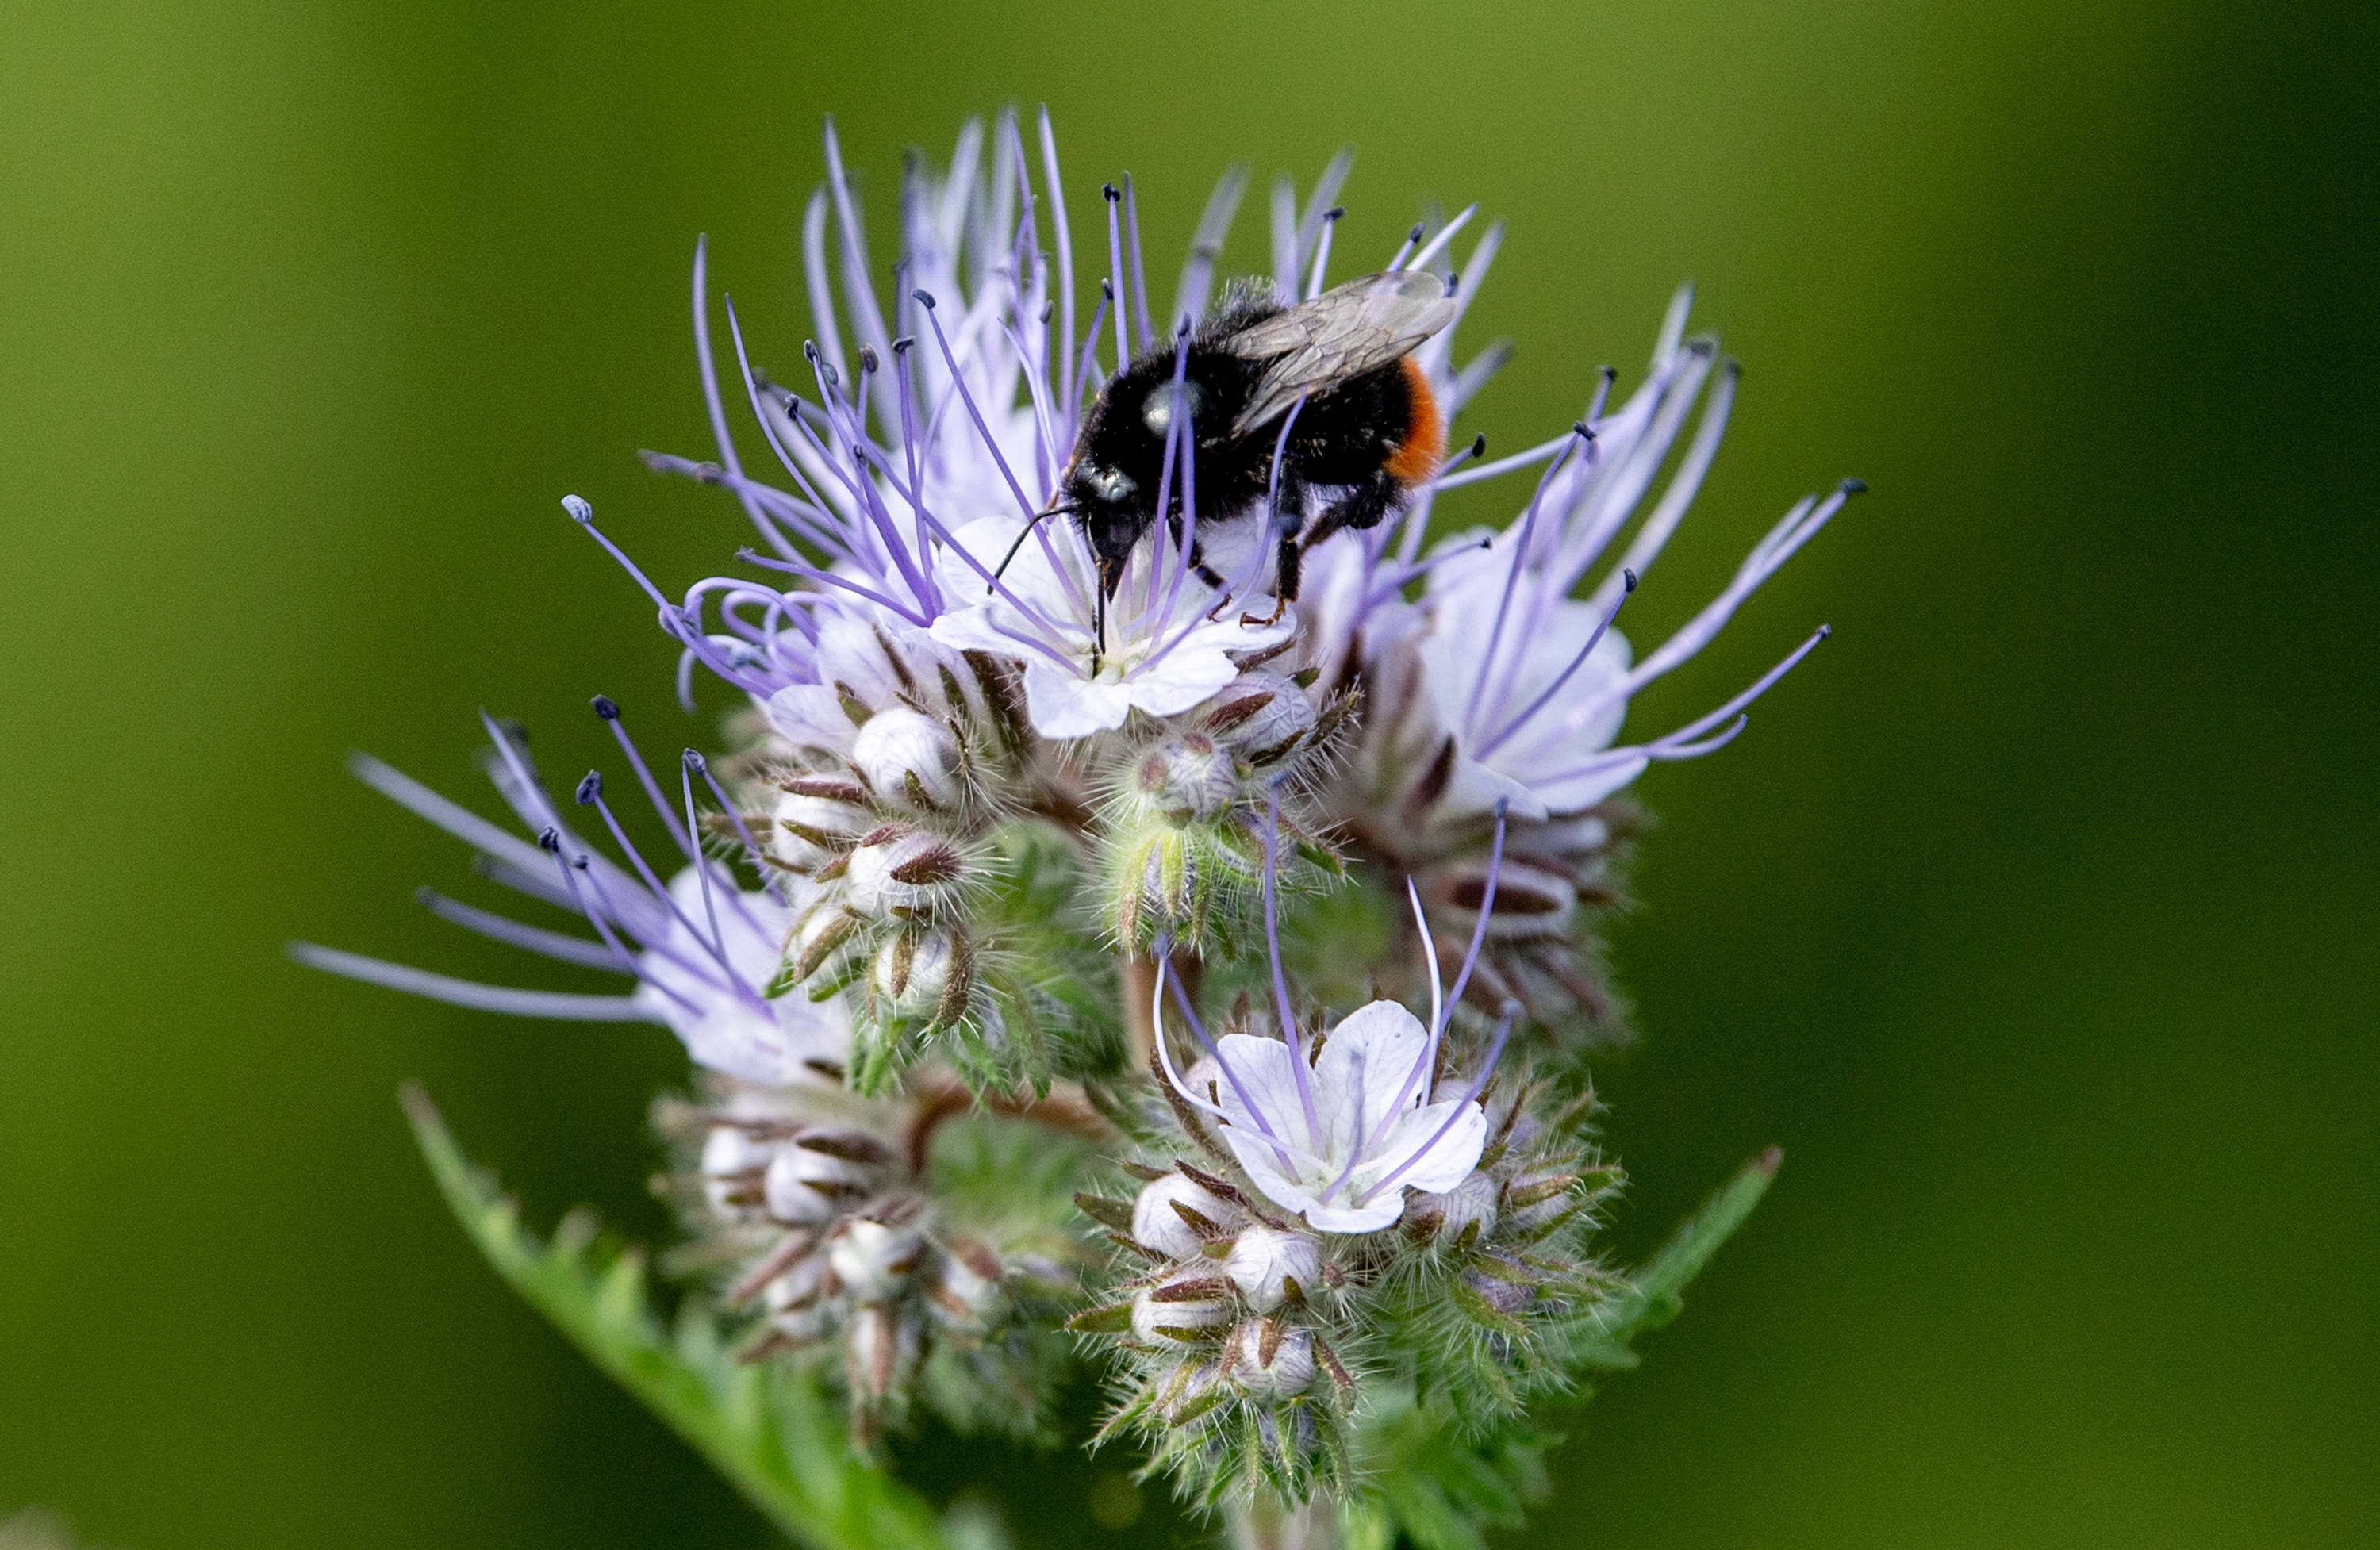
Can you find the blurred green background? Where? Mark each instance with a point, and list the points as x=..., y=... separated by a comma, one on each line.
x=2033, y=917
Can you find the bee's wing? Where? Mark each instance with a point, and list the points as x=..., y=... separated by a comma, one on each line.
x=1346, y=330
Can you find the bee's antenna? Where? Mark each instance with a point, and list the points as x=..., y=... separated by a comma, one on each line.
x=1002, y=569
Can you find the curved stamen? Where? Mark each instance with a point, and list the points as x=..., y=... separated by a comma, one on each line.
x=958, y=383
x=711, y=403
x=1593, y=640
x=1470, y=1095
x=470, y=993
x=1478, y=932
x=1169, y=980
x=1288, y=1022
x=1521, y=537
x=513, y=933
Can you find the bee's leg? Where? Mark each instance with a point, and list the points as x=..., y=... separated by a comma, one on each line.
x=1370, y=502
x=1202, y=570
x=1363, y=507
x=1284, y=582
x=1286, y=517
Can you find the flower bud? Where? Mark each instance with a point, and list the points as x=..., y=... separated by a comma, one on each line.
x=1159, y=1225
x=912, y=971
x=1264, y=1264
x=1260, y=714
x=963, y=1293
x=909, y=758
x=793, y=1302
x=875, y=1262
x=816, y=821
x=733, y=1163
x=1188, y=778
x=1447, y=1215
x=815, y=1177
x=1290, y=1369
x=1192, y=1303
x=1532, y=902
x=902, y=872
x=1505, y=1296
x=880, y=1348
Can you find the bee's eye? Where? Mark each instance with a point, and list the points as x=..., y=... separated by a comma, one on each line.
x=1157, y=409
x=1109, y=484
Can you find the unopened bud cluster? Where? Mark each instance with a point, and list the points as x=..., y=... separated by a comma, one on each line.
x=814, y=1209
x=1183, y=803
x=1233, y=1327
x=884, y=787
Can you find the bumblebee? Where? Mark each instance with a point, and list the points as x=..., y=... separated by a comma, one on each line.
x=1315, y=416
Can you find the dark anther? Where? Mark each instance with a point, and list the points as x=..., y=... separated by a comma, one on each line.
x=1479, y=444
x=1853, y=487
x=1825, y=632
x=923, y=299
x=1452, y=281
x=827, y=370
x=695, y=761
x=1627, y=580
x=549, y=838
x=1109, y=189
x=1414, y=234
x=810, y=351
x=1334, y=212
x=1107, y=289
x=606, y=707
x=1580, y=428
x=868, y=360
x=1049, y=310
x=901, y=346
x=591, y=788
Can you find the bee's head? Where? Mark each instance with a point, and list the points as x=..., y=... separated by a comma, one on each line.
x=1091, y=484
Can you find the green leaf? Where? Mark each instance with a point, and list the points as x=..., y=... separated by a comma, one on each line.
x=1656, y=1294
x=776, y=1434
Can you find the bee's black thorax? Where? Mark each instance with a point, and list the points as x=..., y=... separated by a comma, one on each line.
x=1355, y=438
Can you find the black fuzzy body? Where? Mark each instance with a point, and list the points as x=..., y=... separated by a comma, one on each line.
x=1344, y=439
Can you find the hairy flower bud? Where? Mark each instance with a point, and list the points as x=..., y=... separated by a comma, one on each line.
x=815, y=820
x=880, y=1347
x=1187, y=778
x=815, y=1177
x=1265, y=1264
x=964, y=1294
x=1162, y=1217
x=794, y=1300
x=901, y=872
x=1261, y=714
x=909, y=758
x=873, y=1262
x=1192, y=1303
x=1270, y=1362
x=733, y=1164
x=912, y=971
x=1449, y=1212
x=1539, y=1198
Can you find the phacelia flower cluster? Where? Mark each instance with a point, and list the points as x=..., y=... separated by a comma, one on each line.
x=981, y=931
